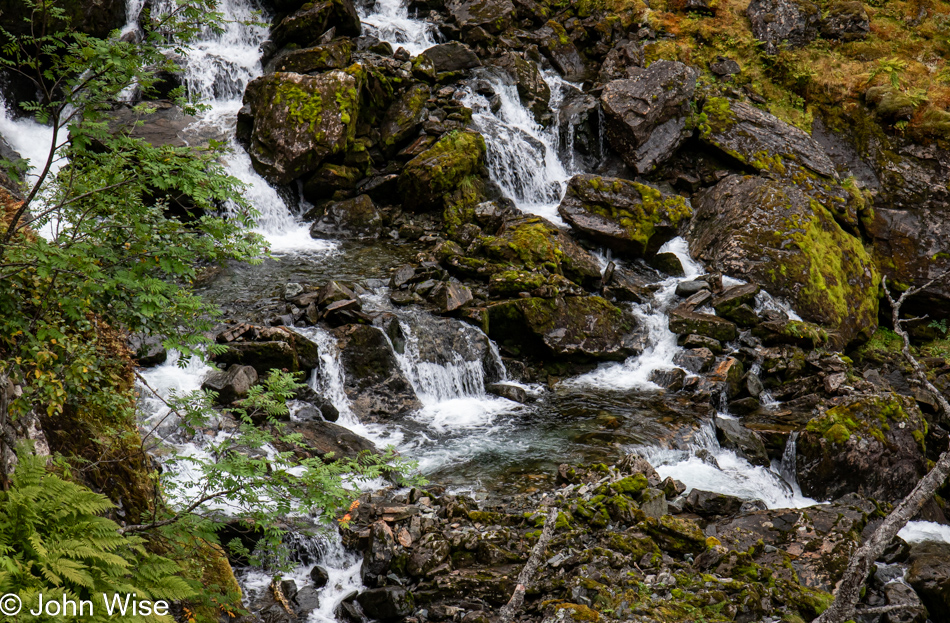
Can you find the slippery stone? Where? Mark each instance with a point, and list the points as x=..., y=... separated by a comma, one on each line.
x=357, y=217
x=440, y=169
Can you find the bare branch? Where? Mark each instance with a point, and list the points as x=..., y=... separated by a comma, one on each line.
x=508, y=612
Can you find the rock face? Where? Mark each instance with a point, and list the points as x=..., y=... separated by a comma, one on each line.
x=638, y=108
x=333, y=55
x=929, y=575
x=872, y=446
x=266, y=348
x=772, y=234
x=586, y=327
x=784, y=22
x=319, y=439
x=300, y=120
x=375, y=384
x=626, y=216
x=439, y=170
x=355, y=217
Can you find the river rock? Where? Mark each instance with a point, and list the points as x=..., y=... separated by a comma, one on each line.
x=267, y=348
x=327, y=181
x=450, y=296
x=557, y=45
x=743, y=226
x=533, y=91
x=746, y=443
x=299, y=120
x=353, y=218
x=872, y=446
x=784, y=23
x=148, y=350
x=625, y=60
x=404, y=117
x=695, y=360
x=929, y=575
x=511, y=392
x=686, y=321
x=635, y=108
x=571, y=326
x=232, y=384
x=439, y=170
x=306, y=26
x=387, y=603
x=452, y=56
x=626, y=216
x=707, y=503
x=375, y=384
x=319, y=438
x=428, y=555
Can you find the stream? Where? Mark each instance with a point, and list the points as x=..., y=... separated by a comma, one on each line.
x=462, y=436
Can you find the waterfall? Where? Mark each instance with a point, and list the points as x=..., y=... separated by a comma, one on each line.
x=390, y=22
x=522, y=155
x=787, y=467
x=634, y=373
x=217, y=67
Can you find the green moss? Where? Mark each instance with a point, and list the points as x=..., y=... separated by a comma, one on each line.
x=631, y=485
x=305, y=108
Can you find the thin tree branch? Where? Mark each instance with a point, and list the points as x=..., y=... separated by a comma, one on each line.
x=508, y=612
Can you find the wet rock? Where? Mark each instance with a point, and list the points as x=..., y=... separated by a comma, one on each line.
x=450, y=296
x=781, y=23
x=268, y=348
x=452, y=56
x=686, y=321
x=741, y=225
x=476, y=16
x=670, y=380
x=557, y=45
x=929, y=575
x=729, y=371
x=97, y=18
x=353, y=218
x=726, y=302
x=320, y=439
x=430, y=554
x=846, y=20
x=668, y=263
x=571, y=326
x=306, y=600
x=579, y=129
x=533, y=91
x=635, y=108
x=375, y=384
x=511, y=392
x=440, y=169
x=696, y=360
x=387, y=603
x=232, y=384
x=700, y=341
x=305, y=27
x=745, y=442
x=333, y=55
x=626, y=216
x=404, y=118
x=707, y=503
x=793, y=332
x=299, y=120
x=319, y=576
x=148, y=350
x=327, y=181
x=686, y=289
x=873, y=446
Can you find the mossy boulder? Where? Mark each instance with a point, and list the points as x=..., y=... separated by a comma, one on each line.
x=770, y=233
x=586, y=327
x=351, y=218
x=404, y=117
x=300, y=120
x=873, y=446
x=628, y=217
x=330, y=179
x=764, y=143
x=438, y=171
x=305, y=27
x=333, y=55
x=784, y=23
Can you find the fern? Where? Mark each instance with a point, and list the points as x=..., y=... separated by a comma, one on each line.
x=54, y=542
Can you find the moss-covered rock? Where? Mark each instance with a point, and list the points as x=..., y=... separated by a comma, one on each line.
x=333, y=55
x=300, y=120
x=773, y=234
x=404, y=117
x=571, y=326
x=873, y=446
x=626, y=216
x=440, y=170
x=305, y=27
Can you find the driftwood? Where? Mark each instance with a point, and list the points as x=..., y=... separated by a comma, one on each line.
x=509, y=610
x=849, y=590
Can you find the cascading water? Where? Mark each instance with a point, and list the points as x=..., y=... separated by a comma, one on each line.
x=389, y=21
x=522, y=155
x=217, y=67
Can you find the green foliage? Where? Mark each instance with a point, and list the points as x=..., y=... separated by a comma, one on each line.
x=54, y=541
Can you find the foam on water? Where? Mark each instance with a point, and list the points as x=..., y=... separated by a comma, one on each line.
x=389, y=20
x=920, y=531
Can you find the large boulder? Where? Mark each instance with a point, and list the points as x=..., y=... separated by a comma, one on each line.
x=373, y=380
x=305, y=27
x=333, y=55
x=320, y=439
x=765, y=143
x=357, y=217
x=439, y=170
x=784, y=23
x=472, y=16
x=404, y=117
x=929, y=575
x=625, y=216
x=97, y=18
x=452, y=56
x=638, y=108
x=770, y=233
x=570, y=326
x=872, y=446
x=557, y=45
x=300, y=120
x=267, y=348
